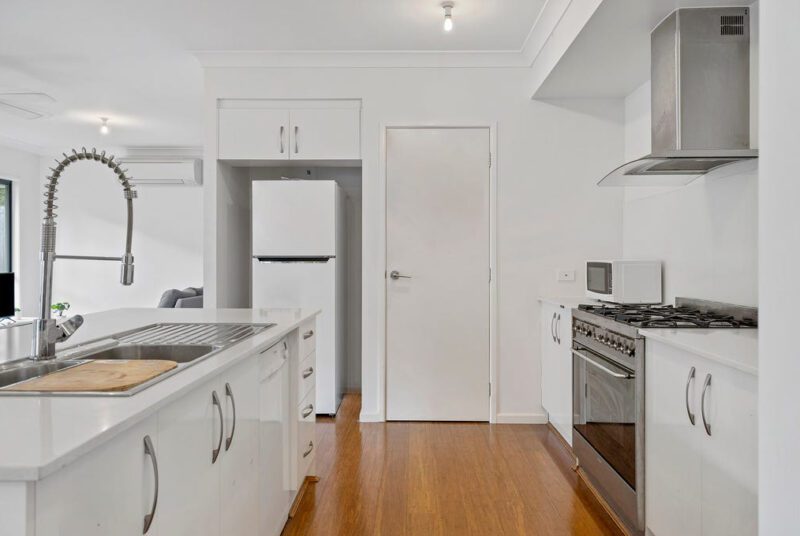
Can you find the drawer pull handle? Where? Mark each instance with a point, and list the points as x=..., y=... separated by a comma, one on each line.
x=706, y=385
x=308, y=334
x=150, y=451
x=688, y=383
x=308, y=410
x=282, y=129
x=310, y=448
x=229, y=394
x=308, y=372
x=215, y=452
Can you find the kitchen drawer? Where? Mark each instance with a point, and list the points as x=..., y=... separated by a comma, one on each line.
x=308, y=338
x=306, y=446
x=271, y=359
x=306, y=375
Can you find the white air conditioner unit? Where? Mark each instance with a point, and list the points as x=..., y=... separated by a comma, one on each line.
x=146, y=171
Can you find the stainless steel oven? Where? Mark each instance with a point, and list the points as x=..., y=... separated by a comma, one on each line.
x=608, y=414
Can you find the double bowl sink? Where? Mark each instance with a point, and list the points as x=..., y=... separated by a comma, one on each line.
x=185, y=344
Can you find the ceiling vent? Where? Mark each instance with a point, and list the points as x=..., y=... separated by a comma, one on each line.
x=26, y=104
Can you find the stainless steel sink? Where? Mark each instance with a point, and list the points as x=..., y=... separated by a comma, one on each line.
x=186, y=344
x=26, y=369
x=167, y=352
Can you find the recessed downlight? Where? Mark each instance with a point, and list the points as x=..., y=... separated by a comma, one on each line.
x=104, y=126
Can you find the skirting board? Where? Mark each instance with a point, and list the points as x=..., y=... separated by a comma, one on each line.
x=502, y=418
x=371, y=417
x=521, y=418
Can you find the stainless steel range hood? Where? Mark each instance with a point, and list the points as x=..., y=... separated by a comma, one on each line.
x=700, y=98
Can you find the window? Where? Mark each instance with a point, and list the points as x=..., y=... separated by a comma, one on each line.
x=5, y=226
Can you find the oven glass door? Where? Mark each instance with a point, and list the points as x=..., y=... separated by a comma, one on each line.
x=598, y=277
x=604, y=402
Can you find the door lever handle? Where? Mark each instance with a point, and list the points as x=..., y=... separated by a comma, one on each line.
x=394, y=274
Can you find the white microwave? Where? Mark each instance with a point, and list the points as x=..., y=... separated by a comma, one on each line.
x=619, y=281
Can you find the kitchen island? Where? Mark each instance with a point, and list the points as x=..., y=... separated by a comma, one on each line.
x=58, y=468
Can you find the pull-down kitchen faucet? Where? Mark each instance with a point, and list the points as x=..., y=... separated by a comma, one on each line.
x=46, y=331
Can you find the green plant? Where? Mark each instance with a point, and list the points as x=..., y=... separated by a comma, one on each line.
x=60, y=307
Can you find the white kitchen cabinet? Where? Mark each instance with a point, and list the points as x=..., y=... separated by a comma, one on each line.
x=264, y=129
x=556, y=334
x=730, y=453
x=108, y=491
x=253, y=134
x=673, y=445
x=699, y=482
x=239, y=501
x=276, y=488
x=325, y=134
x=190, y=430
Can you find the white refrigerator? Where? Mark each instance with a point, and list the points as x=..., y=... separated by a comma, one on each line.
x=299, y=254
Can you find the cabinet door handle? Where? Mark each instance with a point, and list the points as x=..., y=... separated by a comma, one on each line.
x=553, y=327
x=229, y=394
x=706, y=385
x=310, y=448
x=308, y=372
x=308, y=410
x=215, y=452
x=308, y=334
x=150, y=451
x=296, y=147
x=282, y=131
x=688, y=383
x=558, y=329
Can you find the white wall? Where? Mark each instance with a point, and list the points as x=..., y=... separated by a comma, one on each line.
x=779, y=233
x=22, y=167
x=706, y=233
x=550, y=214
x=167, y=239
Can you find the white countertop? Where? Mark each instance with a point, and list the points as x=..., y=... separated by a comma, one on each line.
x=41, y=434
x=737, y=348
x=568, y=302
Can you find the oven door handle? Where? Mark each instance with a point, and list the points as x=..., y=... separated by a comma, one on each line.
x=621, y=375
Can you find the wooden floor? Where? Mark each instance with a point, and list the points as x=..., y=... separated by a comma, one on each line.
x=443, y=479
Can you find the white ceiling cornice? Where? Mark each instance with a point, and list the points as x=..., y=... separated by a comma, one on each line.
x=363, y=59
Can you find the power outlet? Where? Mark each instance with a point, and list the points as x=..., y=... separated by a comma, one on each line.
x=566, y=275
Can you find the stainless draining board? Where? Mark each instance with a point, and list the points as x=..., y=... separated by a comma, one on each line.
x=173, y=333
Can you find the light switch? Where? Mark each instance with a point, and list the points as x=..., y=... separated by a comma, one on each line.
x=566, y=275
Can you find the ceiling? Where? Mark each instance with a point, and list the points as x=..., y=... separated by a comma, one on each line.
x=133, y=62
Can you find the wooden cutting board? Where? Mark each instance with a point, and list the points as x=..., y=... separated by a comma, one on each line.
x=99, y=375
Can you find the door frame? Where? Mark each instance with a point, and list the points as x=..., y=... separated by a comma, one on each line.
x=382, y=184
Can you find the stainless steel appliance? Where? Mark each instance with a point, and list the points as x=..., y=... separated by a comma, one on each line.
x=624, y=281
x=608, y=390
x=700, y=98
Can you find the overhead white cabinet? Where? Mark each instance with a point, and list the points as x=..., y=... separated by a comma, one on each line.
x=108, y=492
x=556, y=334
x=264, y=129
x=325, y=134
x=253, y=134
x=701, y=476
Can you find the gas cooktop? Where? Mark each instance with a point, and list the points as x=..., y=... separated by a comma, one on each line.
x=669, y=316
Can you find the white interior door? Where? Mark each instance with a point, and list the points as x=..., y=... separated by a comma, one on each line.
x=437, y=346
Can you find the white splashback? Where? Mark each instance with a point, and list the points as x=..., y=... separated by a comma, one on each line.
x=706, y=233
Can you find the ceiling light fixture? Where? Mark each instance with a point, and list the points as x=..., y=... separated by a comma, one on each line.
x=104, y=127
x=448, y=16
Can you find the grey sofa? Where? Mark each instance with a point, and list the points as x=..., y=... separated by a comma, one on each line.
x=188, y=298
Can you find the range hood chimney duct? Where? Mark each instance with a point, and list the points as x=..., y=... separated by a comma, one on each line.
x=700, y=98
